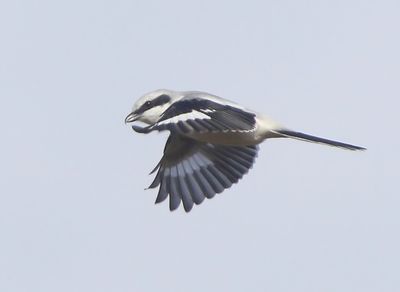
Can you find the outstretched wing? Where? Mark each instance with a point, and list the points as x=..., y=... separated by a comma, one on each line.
x=190, y=171
x=205, y=115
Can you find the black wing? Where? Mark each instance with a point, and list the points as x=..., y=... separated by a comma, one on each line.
x=191, y=171
x=203, y=115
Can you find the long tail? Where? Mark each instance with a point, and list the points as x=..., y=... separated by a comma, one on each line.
x=310, y=138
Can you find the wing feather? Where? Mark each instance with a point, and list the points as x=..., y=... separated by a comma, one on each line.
x=191, y=171
x=184, y=189
x=174, y=191
x=205, y=115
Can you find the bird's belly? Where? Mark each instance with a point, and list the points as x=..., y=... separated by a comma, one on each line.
x=228, y=138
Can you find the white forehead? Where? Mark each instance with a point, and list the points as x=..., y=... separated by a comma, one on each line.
x=154, y=94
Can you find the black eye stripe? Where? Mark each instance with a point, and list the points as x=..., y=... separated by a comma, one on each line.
x=160, y=100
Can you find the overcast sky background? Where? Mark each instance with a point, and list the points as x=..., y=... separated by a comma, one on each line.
x=74, y=215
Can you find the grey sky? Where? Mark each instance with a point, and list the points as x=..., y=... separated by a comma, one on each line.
x=74, y=215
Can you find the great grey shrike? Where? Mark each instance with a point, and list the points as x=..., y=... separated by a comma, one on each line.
x=213, y=142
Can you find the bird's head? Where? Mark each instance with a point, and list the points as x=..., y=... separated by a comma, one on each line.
x=149, y=108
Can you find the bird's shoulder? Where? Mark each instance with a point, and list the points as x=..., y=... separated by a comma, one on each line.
x=202, y=102
x=203, y=98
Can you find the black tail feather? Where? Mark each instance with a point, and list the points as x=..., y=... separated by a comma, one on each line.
x=310, y=138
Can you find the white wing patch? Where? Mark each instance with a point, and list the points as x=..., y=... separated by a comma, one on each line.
x=185, y=117
x=209, y=111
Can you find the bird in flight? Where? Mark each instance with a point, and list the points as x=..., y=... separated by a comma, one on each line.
x=213, y=142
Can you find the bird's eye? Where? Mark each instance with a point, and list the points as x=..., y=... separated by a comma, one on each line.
x=148, y=103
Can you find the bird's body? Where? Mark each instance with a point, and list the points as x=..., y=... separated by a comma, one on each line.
x=213, y=142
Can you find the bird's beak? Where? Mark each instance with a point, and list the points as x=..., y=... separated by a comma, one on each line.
x=131, y=118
